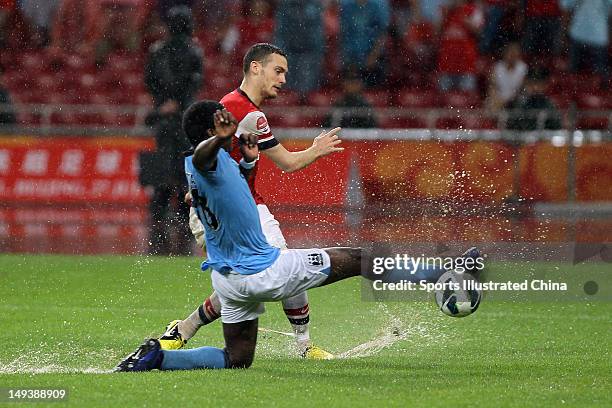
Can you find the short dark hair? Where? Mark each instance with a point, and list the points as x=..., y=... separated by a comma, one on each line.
x=259, y=52
x=198, y=119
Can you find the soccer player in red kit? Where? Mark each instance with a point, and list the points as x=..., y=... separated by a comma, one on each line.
x=265, y=67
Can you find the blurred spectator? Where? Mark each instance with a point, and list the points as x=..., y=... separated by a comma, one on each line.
x=92, y=28
x=256, y=26
x=40, y=15
x=432, y=10
x=363, y=30
x=533, y=109
x=588, y=32
x=7, y=8
x=419, y=43
x=218, y=20
x=352, y=97
x=542, y=24
x=75, y=27
x=152, y=29
x=299, y=32
x=403, y=14
x=164, y=6
x=507, y=78
x=119, y=31
x=458, y=53
x=7, y=113
x=173, y=76
x=494, y=15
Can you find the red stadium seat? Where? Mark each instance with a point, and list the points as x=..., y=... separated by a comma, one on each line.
x=402, y=122
x=322, y=98
x=65, y=118
x=561, y=101
x=598, y=122
x=477, y=121
x=293, y=119
x=125, y=119
x=77, y=63
x=451, y=122
x=220, y=82
x=378, y=99
x=124, y=62
x=34, y=62
x=591, y=101
x=417, y=99
x=10, y=60
x=47, y=82
x=17, y=81
x=285, y=98
x=29, y=95
x=144, y=99
x=461, y=100
x=99, y=98
x=28, y=118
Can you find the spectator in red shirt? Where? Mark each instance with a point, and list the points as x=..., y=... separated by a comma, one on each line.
x=541, y=30
x=458, y=51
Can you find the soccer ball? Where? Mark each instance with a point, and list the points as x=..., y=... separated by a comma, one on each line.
x=455, y=297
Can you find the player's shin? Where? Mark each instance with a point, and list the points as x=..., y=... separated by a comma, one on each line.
x=297, y=311
x=201, y=357
x=206, y=313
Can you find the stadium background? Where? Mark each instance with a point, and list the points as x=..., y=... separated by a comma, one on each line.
x=439, y=166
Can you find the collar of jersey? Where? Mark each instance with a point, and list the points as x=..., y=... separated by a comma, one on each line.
x=241, y=92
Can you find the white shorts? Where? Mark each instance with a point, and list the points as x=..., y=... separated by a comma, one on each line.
x=269, y=226
x=294, y=272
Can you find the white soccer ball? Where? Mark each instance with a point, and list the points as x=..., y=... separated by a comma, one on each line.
x=457, y=297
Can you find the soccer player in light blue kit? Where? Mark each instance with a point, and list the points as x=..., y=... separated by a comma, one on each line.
x=246, y=270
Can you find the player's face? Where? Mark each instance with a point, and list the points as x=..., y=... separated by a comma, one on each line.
x=273, y=78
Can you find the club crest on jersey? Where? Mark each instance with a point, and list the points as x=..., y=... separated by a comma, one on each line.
x=314, y=259
x=262, y=123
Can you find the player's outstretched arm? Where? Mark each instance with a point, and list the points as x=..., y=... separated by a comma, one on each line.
x=250, y=153
x=205, y=155
x=324, y=144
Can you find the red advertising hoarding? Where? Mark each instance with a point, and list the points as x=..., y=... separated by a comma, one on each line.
x=71, y=170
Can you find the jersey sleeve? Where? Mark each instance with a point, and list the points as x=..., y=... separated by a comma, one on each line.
x=255, y=122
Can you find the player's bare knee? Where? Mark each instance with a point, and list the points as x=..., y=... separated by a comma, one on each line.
x=345, y=263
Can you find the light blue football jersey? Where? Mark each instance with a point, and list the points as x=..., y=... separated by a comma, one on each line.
x=225, y=205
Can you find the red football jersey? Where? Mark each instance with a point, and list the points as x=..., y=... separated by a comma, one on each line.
x=250, y=120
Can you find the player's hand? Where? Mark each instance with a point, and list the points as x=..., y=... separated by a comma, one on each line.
x=225, y=124
x=327, y=143
x=188, y=198
x=249, y=147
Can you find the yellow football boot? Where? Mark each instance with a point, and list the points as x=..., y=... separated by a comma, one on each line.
x=317, y=353
x=172, y=339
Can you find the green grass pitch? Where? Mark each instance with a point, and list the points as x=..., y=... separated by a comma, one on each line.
x=65, y=320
